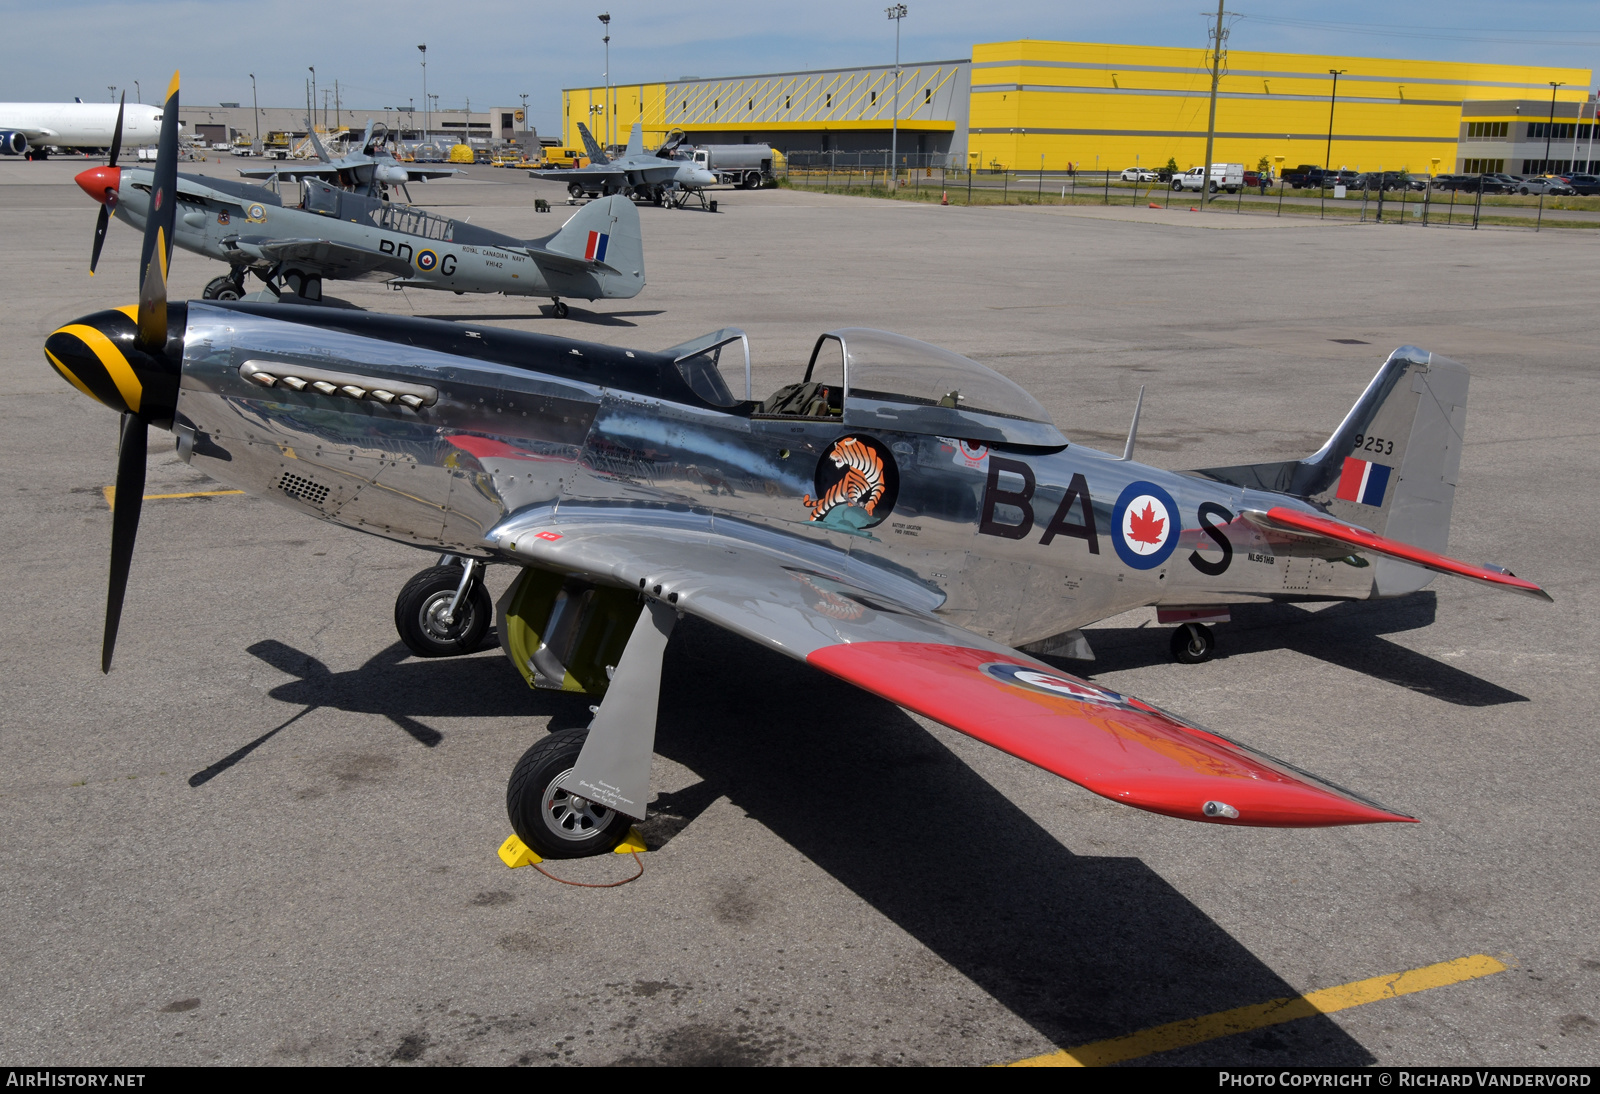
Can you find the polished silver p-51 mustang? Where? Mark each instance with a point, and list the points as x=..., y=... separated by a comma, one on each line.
x=898, y=516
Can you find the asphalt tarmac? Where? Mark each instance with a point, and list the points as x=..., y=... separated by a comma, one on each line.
x=268, y=836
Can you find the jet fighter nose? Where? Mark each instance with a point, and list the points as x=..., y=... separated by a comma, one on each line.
x=100, y=356
x=99, y=182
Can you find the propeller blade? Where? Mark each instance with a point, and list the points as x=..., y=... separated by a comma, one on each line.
x=99, y=237
x=156, y=254
x=116, y=134
x=128, y=500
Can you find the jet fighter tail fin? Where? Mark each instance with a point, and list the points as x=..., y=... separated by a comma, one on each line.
x=1390, y=466
x=636, y=140
x=597, y=155
x=322, y=153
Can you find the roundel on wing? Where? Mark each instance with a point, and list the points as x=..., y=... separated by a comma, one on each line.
x=1048, y=683
x=426, y=260
x=856, y=484
x=1144, y=525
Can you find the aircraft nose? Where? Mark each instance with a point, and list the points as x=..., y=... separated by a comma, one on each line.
x=98, y=182
x=99, y=356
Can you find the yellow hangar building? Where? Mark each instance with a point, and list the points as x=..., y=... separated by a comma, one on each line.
x=1019, y=105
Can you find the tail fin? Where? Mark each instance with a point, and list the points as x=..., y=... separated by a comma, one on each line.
x=1391, y=465
x=636, y=140
x=606, y=232
x=322, y=153
x=597, y=155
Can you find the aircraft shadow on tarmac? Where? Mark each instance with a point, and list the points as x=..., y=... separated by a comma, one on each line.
x=1347, y=634
x=1079, y=947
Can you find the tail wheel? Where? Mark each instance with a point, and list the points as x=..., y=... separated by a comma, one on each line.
x=547, y=816
x=1193, y=644
x=421, y=607
x=560, y=309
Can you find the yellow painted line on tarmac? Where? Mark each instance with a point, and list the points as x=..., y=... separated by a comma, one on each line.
x=1194, y=1031
x=110, y=493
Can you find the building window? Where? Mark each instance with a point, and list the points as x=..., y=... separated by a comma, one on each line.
x=750, y=104
x=685, y=109
x=927, y=94
x=1556, y=131
x=1487, y=130
x=874, y=98
x=714, y=104
x=830, y=100
x=1485, y=167
x=786, y=102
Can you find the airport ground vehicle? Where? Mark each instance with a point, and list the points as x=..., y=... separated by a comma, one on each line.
x=747, y=166
x=1139, y=174
x=1223, y=176
x=633, y=487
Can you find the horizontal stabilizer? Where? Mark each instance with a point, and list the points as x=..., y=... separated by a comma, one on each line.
x=1306, y=525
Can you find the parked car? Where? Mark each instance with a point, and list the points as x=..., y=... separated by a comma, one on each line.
x=1139, y=174
x=1317, y=178
x=1382, y=180
x=1584, y=184
x=1508, y=183
x=1296, y=176
x=1544, y=184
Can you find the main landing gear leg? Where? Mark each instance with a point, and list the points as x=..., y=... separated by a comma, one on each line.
x=1193, y=644
x=444, y=611
x=576, y=792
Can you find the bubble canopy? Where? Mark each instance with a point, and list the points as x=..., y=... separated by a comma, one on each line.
x=895, y=382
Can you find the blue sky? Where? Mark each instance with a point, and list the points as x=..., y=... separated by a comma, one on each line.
x=491, y=51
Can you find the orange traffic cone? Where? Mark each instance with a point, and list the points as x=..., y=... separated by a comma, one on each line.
x=944, y=197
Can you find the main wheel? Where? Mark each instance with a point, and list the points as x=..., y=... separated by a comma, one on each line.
x=420, y=608
x=222, y=288
x=575, y=189
x=560, y=309
x=548, y=817
x=1193, y=644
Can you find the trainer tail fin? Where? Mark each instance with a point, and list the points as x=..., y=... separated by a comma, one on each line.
x=605, y=232
x=1391, y=466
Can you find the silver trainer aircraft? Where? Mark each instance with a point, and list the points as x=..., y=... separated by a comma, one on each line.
x=660, y=176
x=900, y=516
x=335, y=234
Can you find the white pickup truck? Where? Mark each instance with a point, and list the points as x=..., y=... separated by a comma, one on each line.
x=1224, y=176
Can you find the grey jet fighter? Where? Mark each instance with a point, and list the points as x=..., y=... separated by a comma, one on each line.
x=659, y=176
x=899, y=516
x=370, y=171
x=325, y=233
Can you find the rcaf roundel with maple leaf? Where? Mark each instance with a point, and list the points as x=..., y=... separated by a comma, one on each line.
x=1146, y=525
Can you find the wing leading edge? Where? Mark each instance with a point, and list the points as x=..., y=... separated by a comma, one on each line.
x=876, y=629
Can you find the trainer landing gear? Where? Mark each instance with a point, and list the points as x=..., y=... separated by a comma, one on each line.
x=1193, y=644
x=444, y=611
x=559, y=309
x=576, y=792
x=545, y=813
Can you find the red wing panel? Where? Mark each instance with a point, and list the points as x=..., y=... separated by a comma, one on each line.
x=1117, y=747
x=1360, y=537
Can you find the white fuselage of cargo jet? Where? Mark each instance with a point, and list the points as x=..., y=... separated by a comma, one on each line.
x=80, y=125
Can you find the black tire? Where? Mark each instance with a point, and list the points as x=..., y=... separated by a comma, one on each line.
x=1176, y=185
x=222, y=288
x=560, y=309
x=549, y=819
x=575, y=189
x=417, y=608
x=1193, y=644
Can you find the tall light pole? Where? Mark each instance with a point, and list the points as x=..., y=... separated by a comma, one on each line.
x=605, y=21
x=1327, y=155
x=256, y=103
x=311, y=122
x=113, y=89
x=427, y=117
x=137, y=94
x=1219, y=37
x=1550, y=125
x=896, y=12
